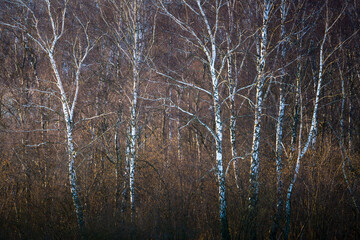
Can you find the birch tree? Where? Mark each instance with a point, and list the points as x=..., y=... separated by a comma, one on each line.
x=47, y=32
x=209, y=45
x=130, y=33
x=302, y=149
x=232, y=81
x=261, y=48
x=284, y=7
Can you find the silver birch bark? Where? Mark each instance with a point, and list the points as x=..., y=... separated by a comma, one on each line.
x=303, y=150
x=313, y=127
x=209, y=47
x=232, y=91
x=254, y=168
x=128, y=31
x=68, y=117
x=69, y=122
x=211, y=56
x=315, y=78
x=133, y=117
x=137, y=58
x=47, y=43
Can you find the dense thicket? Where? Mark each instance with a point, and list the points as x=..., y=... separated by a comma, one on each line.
x=158, y=104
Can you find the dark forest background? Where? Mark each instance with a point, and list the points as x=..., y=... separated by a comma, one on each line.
x=176, y=178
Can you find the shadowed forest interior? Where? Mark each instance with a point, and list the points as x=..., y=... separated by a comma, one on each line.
x=179, y=119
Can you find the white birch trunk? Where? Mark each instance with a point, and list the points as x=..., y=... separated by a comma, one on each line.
x=68, y=116
x=137, y=55
x=232, y=92
x=255, y=162
x=129, y=36
x=315, y=78
x=210, y=50
x=218, y=129
x=261, y=48
x=219, y=157
x=132, y=145
x=302, y=151
x=68, y=109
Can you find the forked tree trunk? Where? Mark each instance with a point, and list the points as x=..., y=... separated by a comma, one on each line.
x=302, y=151
x=68, y=116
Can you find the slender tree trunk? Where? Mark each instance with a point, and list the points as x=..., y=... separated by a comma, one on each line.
x=225, y=234
x=137, y=57
x=315, y=78
x=68, y=116
x=132, y=150
x=72, y=178
x=302, y=151
x=232, y=92
x=254, y=168
x=47, y=40
x=219, y=157
x=210, y=49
